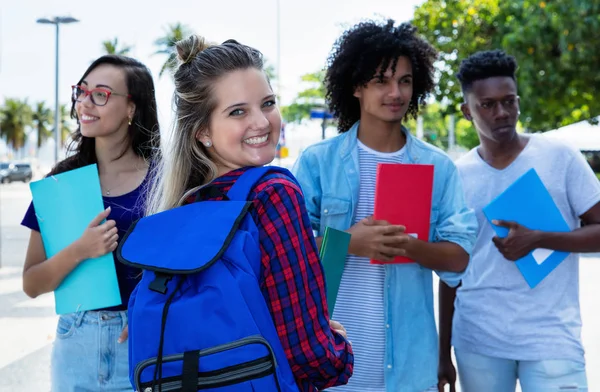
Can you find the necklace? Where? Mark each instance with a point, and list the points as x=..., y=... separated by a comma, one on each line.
x=108, y=190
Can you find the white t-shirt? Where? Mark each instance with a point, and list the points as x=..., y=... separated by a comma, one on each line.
x=359, y=305
x=497, y=314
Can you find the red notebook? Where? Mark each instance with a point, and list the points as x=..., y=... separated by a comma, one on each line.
x=403, y=197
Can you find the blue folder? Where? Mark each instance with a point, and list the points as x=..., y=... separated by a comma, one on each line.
x=528, y=202
x=65, y=204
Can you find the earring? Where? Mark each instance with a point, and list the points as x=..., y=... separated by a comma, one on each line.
x=129, y=120
x=208, y=143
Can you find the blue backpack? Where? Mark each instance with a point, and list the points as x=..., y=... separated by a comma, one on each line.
x=197, y=318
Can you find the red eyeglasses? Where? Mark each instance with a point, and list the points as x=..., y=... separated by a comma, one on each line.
x=99, y=96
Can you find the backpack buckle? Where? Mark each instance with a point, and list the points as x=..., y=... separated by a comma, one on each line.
x=159, y=284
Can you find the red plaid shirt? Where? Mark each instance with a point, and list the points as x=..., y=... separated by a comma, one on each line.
x=293, y=283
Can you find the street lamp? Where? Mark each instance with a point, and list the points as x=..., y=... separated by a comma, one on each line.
x=57, y=20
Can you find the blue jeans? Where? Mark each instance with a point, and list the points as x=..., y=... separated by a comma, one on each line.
x=86, y=355
x=482, y=373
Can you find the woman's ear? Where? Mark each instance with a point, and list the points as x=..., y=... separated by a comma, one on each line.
x=131, y=109
x=203, y=137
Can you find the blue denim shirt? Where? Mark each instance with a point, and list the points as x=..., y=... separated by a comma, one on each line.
x=329, y=175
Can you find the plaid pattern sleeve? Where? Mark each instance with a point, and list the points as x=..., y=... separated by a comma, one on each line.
x=294, y=286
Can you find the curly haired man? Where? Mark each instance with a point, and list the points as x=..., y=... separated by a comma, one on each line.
x=378, y=75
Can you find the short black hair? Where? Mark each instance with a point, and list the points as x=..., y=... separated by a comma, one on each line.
x=361, y=51
x=485, y=64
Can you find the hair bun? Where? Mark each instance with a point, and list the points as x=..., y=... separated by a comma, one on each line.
x=190, y=47
x=231, y=41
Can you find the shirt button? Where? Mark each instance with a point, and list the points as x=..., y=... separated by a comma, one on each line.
x=325, y=211
x=387, y=325
x=389, y=366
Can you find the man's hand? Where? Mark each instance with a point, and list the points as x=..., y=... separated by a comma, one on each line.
x=519, y=241
x=446, y=375
x=378, y=240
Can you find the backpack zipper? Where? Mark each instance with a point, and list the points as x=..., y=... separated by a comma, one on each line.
x=217, y=381
x=257, y=339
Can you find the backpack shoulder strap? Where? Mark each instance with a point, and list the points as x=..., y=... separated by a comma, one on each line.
x=244, y=184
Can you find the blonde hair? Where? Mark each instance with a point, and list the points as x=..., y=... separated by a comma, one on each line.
x=185, y=165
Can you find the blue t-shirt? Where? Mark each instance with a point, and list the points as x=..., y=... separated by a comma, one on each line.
x=125, y=210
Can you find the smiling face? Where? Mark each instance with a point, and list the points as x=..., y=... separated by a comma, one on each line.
x=493, y=106
x=387, y=99
x=112, y=118
x=245, y=125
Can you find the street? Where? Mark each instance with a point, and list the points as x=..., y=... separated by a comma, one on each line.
x=27, y=326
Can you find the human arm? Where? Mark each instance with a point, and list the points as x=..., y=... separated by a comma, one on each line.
x=454, y=233
x=43, y=275
x=446, y=369
x=583, y=193
x=293, y=284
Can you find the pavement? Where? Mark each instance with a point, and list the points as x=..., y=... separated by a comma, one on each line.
x=27, y=326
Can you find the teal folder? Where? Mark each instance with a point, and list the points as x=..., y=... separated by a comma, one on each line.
x=334, y=250
x=65, y=204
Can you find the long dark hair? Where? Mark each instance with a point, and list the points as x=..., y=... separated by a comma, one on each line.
x=144, y=133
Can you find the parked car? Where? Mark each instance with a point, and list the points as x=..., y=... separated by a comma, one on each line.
x=10, y=172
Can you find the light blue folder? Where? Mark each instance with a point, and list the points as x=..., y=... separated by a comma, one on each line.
x=65, y=204
x=528, y=202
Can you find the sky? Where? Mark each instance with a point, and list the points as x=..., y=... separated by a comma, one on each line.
x=308, y=30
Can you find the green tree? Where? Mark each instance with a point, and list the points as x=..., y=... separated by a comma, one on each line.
x=436, y=125
x=273, y=77
x=42, y=121
x=311, y=97
x=112, y=47
x=166, y=45
x=15, y=117
x=555, y=43
x=457, y=29
x=270, y=71
x=66, y=125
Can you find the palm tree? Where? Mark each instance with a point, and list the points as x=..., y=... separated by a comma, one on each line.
x=42, y=120
x=112, y=47
x=166, y=45
x=15, y=117
x=66, y=125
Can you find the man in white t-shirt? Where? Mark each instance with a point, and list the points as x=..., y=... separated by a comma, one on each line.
x=503, y=330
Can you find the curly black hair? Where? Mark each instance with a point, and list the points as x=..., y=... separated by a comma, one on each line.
x=483, y=65
x=363, y=50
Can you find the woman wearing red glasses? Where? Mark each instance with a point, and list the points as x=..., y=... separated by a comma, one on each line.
x=115, y=108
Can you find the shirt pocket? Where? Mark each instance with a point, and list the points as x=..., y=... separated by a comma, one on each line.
x=334, y=213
